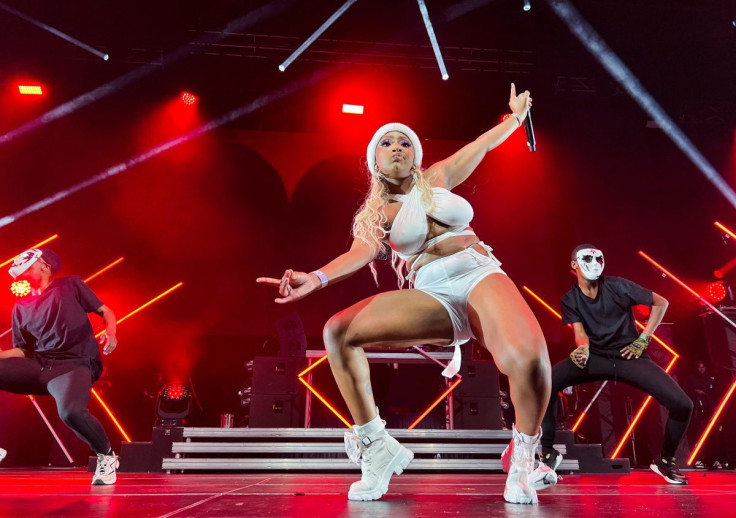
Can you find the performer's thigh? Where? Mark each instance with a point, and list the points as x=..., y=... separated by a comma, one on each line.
x=646, y=375
x=21, y=376
x=394, y=319
x=71, y=389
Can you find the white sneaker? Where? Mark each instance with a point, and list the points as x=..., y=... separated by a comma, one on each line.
x=3, y=453
x=545, y=476
x=517, y=460
x=105, y=473
x=379, y=456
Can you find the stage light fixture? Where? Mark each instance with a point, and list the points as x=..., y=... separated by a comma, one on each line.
x=189, y=99
x=527, y=5
x=30, y=89
x=356, y=109
x=173, y=405
x=716, y=291
x=20, y=288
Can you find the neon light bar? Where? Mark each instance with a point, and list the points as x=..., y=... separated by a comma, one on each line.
x=112, y=417
x=712, y=422
x=638, y=415
x=319, y=396
x=436, y=402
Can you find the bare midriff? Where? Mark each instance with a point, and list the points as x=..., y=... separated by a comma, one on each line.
x=444, y=248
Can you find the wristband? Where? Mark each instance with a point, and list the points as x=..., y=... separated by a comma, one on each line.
x=518, y=119
x=322, y=277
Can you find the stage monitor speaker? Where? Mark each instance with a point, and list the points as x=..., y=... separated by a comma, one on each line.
x=274, y=411
x=276, y=375
x=480, y=379
x=477, y=413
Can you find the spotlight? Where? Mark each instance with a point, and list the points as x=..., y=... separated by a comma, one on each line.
x=189, y=98
x=20, y=288
x=716, y=291
x=173, y=406
x=30, y=89
x=356, y=109
x=527, y=5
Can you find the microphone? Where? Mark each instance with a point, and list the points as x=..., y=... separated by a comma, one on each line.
x=529, y=127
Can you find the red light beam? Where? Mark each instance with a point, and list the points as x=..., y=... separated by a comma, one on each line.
x=47, y=240
x=712, y=422
x=542, y=302
x=103, y=270
x=637, y=416
x=435, y=403
x=688, y=288
x=111, y=415
x=144, y=306
x=319, y=396
x=727, y=231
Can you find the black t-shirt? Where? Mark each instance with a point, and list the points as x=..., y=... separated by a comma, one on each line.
x=608, y=320
x=55, y=324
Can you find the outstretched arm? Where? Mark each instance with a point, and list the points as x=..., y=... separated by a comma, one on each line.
x=296, y=285
x=455, y=169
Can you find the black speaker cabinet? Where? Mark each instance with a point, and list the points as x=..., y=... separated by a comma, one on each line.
x=276, y=375
x=480, y=379
x=274, y=411
x=477, y=413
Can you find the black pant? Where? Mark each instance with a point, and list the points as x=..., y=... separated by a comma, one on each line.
x=643, y=374
x=68, y=381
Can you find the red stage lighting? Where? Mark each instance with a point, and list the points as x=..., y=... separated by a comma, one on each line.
x=716, y=291
x=356, y=109
x=30, y=89
x=20, y=288
x=189, y=98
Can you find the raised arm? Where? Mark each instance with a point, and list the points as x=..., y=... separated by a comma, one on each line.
x=295, y=285
x=455, y=169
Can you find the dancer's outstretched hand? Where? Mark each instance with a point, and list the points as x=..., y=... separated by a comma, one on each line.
x=519, y=104
x=292, y=286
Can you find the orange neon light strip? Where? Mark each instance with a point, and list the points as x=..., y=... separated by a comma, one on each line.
x=94, y=392
x=302, y=373
x=319, y=396
x=727, y=231
x=103, y=270
x=140, y=308
x=638, y=415
x=112, y=417
x=657, y=339
x=577, y=423
x=32, y=246
x=712, y=422
x=543, y=303
x=436, y=402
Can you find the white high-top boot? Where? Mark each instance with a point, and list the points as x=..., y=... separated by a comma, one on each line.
x=379, y=456
x=518, y=460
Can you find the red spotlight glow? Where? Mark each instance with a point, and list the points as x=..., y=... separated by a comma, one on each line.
x=20, y=288
x=30, y=89
x=189, y=98
x=356, y=109
x=716, y=291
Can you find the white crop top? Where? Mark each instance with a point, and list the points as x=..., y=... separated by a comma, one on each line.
x=409, y=230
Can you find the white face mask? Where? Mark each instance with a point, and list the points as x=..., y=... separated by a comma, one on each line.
x=590, y=262
x=23, y=262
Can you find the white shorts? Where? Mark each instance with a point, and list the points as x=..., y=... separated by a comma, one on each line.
x=450, y=280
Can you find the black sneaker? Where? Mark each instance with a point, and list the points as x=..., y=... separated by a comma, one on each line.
x=551, y=457
x=667, y=468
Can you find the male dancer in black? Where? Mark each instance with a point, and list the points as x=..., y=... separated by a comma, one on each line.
x=610, y=348
x=54, y=349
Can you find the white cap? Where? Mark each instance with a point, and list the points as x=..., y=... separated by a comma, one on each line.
x=370, y=154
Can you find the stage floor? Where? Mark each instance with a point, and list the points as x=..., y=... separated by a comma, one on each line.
x=67, y=493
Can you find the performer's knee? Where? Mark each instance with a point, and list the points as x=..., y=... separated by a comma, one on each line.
x=682, y=408
x=334, y=334
x=73, y=415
